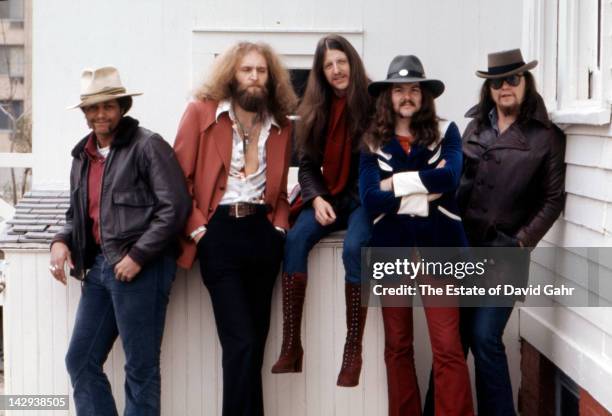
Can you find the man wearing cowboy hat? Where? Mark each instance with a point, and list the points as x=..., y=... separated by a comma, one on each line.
x=128, y=201
x=407, y=183
x=511, y=192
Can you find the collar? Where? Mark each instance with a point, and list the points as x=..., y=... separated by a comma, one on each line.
x=226, y=106
x=540, y=114
x=494, y=120
x=126, y=130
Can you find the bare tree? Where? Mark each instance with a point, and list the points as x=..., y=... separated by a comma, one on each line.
x=19, y=125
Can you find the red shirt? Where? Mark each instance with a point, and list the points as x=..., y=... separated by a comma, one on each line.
x=94, y=184
x=405, y=142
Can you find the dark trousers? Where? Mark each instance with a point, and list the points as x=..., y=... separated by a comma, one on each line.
x=239, y=260
x=306, y=232
x=135, y=311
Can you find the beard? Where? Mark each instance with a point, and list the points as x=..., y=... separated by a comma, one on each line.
x=510, y=110
x=251, y=101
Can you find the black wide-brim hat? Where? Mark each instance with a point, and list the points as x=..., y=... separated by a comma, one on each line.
x=406, y=69
x=505, y=63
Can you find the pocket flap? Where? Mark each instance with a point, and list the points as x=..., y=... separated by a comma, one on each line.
x=135, y=198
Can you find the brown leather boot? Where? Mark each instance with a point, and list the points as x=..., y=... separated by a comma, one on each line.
x=294, y=290
x=355, y=323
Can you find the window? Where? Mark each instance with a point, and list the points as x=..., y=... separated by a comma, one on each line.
x=299, y=78
x=11, y=9
x=575, y=56
x=11, y=61
x=566, y=395
x=14, y=108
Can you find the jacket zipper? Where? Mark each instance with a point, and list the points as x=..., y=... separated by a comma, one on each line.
x=106, y=163
x=81, y=204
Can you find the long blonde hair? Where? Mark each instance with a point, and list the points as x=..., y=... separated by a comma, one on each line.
x=281, y=99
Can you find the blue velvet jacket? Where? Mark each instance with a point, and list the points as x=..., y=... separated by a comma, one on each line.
x=409, y=215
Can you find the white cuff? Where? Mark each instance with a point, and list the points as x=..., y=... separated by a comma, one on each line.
x=194, y=233
x=408, y=183
x=414, y=205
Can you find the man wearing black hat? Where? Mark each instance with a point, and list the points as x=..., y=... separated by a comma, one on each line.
x=407, y=182
x=511, y=192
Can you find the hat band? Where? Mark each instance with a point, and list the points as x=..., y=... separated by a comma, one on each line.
x=404, y=74
x=109, y=91
x=496, y=70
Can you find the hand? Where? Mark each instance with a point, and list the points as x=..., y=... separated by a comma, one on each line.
x=127, y=269
x=324, y=213
x=433, y=197
x=386, y=185
x=198, y=237
x=441, y=164
x=60, y=254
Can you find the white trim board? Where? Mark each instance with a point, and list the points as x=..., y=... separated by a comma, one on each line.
x=591, y=372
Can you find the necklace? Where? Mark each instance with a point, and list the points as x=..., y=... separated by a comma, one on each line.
x=245, y=134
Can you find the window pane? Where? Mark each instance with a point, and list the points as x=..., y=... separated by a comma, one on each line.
x=16, y=61
x=16, y=9
x=14, y=182
x=11, y=9
x=5, y=59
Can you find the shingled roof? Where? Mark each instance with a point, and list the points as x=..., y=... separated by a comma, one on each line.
x=38, y=216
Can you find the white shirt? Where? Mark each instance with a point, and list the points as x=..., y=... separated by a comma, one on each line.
x=241, y=188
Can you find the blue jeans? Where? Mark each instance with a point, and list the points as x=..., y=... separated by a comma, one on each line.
x=136, y=312
x=482, y=330
x=306, y=232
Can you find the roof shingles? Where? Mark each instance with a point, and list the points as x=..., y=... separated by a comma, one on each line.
x=38, y=217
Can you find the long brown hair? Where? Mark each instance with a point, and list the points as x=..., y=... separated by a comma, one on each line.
x=527, y=107
x=315, y=106
x=218, y=86
x=423, y=125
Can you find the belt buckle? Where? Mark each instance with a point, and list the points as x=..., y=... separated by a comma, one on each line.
x=238, y=210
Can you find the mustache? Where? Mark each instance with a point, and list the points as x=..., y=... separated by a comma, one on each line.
x=407, y=101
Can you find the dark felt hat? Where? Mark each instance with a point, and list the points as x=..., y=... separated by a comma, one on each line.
x=506, y=63
x=404, y=69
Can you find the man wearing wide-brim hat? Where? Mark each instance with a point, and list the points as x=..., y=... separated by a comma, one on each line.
x=128, y=201
x=407, y=181
x=511, y=192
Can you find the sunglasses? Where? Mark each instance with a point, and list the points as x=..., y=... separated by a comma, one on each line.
x=512, y=80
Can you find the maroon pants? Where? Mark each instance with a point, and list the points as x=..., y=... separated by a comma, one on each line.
x=453, y=395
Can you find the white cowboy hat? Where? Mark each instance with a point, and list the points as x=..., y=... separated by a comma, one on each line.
x=100, y=85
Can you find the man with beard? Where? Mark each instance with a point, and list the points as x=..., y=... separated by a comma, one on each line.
x=234, y=145
x=511, y=192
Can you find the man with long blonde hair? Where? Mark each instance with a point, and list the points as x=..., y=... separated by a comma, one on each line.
x=234, y=146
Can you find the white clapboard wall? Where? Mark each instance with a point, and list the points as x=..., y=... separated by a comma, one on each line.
x=39, y=315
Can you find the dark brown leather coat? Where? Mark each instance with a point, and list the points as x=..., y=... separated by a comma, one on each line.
x=144, y=202
x=513, y=185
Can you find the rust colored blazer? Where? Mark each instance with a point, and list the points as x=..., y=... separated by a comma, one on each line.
x=203, y=148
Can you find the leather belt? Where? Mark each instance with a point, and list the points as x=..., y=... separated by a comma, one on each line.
x=243, y=209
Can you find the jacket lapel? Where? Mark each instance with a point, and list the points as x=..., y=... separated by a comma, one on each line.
x=513, y=138
x=222, y=133
x=274, y=162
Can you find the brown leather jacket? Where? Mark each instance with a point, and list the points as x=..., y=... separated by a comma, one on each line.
x=513, y=185
x=144, y=202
